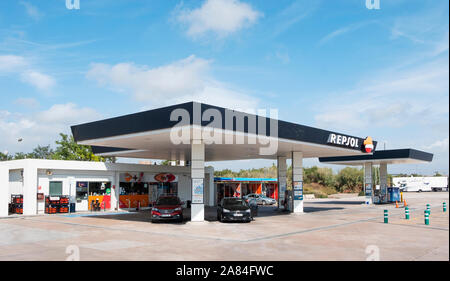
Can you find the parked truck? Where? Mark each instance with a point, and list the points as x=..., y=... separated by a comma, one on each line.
x=419, y=184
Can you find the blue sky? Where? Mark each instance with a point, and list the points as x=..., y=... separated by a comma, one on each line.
x=330, y=64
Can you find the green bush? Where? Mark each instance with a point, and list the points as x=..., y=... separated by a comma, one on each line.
x=323, y=176
x=350, y=179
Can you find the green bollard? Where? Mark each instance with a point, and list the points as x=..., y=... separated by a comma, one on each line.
x=428, y=209
x=407, y=212
x=427, y=217
x=444, y=207
x=385, y=216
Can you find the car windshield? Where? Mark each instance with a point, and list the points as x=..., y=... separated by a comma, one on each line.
x=234, y=202
x=168, y=201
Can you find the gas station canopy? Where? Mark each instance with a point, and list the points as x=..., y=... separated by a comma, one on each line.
x=395, y=156
x=148, y=135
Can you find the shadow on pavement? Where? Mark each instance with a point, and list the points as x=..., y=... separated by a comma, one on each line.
x=319, y=209
x=210, y=213
x=338, y=202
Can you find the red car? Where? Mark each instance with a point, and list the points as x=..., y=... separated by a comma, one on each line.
x=167, y=208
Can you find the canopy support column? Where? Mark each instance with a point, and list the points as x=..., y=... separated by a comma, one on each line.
x=198, y=178
x=297, y=181
x=282, y=181
x=383, y=182
x=368, y=184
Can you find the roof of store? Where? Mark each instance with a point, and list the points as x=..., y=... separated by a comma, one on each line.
x=244, y=179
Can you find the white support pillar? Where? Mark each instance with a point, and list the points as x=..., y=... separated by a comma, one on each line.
x=212, y=188
x=282, y=180
x=30, y=189
x=4, y=191
x=368, y=183
x=198, y=178
x=383, y=182
x=297, y=181
x=115, y=192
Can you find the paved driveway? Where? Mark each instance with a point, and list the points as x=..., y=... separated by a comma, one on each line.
x=330, y=229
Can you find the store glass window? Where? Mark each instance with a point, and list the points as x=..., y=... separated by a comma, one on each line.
x=134, y=188
x=99, y=188
x=55, y=188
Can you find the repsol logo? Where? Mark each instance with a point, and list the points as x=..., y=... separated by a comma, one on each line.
x=343, y=140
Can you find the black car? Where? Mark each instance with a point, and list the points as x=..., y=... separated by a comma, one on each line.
x=233, y=209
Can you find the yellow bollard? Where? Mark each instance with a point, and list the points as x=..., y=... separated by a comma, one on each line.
x=401, y=196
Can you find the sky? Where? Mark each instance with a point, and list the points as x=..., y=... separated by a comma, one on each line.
x=335, y=65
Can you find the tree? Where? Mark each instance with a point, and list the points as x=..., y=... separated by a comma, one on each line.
x=20, y=155
x=41, y=152
x=68, y=149
x=5, y=157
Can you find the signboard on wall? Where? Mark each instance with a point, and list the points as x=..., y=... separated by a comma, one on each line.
x=368, y=190
x=147, y=177
x=40, y=196
x=197, y=191
x=298, y=190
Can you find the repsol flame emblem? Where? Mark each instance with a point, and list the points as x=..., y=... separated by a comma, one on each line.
x=368, y=144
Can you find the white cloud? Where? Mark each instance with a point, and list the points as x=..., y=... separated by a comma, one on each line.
x=185, y=80
x=27, y=102
x=343, y=30
x=293, y=14
x=424, y=27
x=31, y=10
x=39, y=80
x=391, y=100
x=441, y=145
x=222, y=17
x=42, y=127
x=12, y=64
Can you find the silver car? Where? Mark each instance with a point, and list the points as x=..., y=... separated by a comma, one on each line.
x=260, y=199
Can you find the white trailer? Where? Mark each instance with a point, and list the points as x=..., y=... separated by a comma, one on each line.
x=419, y=184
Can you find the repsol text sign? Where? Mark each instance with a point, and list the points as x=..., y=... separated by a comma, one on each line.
x=343, y=140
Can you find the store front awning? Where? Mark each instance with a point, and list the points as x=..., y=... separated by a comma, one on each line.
x=149, y=134
x=227, y=179
x=395, y=156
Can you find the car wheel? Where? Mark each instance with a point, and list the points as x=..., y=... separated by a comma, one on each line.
x=420, y=190
x=264, y=202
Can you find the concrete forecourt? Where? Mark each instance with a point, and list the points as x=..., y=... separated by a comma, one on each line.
x=329, y=229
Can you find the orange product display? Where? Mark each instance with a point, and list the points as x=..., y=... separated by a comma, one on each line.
x=104, y=200
x=51, y=209
x=131, y=201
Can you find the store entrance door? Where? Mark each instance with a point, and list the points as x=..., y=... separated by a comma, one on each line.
x=82, y=196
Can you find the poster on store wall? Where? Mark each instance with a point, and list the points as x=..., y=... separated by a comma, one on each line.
x=368, y=190
x=298, y=190
x=197, y=191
